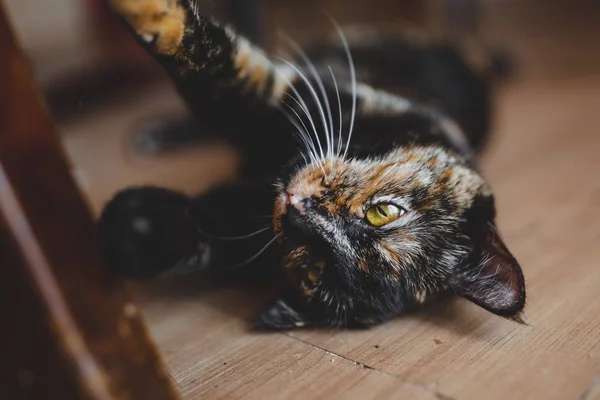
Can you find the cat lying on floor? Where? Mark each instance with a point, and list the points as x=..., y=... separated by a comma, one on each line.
x=373, y=201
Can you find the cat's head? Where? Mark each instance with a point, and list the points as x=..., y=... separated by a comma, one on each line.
x=365, y=239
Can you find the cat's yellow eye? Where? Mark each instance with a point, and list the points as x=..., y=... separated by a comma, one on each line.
x=382, y=214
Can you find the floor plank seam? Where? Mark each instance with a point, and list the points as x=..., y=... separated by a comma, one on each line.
x=365, y=366
x=427, y=386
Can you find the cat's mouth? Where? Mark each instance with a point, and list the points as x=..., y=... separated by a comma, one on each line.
x=305, y=223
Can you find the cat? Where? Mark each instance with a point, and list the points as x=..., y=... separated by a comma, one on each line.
x=362, y=203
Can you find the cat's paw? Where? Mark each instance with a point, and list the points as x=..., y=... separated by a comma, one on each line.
x=145, y=231
x=279, y=316
x=157, y=22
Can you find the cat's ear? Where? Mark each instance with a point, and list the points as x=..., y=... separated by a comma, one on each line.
x=279, y=316
x=495, y=282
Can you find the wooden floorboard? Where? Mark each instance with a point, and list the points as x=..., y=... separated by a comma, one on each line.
x=211, y=354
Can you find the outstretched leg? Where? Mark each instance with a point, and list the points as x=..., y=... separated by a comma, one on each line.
x=227, y=82
x=231, y=83
x=146, y=231
x=213, y=67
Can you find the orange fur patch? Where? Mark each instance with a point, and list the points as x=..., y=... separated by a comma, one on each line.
x=252, y=65
x=259, y=77
x=149, y=18
x=433, y=162
x=242, y=62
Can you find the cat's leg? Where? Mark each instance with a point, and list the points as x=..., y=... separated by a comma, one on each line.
x=146, y=231
x=217, y=71
x=229, y=82
x=230, y=85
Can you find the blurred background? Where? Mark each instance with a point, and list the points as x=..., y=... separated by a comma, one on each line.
x=103, y=90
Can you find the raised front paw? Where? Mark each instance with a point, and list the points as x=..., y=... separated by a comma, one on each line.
x=157, y=22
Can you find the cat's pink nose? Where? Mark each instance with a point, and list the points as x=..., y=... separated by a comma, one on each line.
x=291, y=199
x=297, y=202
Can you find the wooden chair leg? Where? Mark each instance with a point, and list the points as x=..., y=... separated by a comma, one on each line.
x=69, y=330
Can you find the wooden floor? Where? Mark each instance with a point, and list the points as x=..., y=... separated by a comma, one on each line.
x=544, y=166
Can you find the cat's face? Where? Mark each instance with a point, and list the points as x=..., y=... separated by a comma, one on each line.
x=364, y=240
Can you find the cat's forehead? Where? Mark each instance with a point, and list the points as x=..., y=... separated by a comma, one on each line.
x=429, y=171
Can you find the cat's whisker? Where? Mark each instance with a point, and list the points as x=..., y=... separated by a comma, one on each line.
x=352, y=79
x=340, y=127
x=302, y=104
x=312, y=149
x=302, y=137
x=308, y=143
x=234, y=238
x=303, y=134
x=314, y=95
x=320, y=85
x=317, y=136
x=304, y=108
x=255, y=256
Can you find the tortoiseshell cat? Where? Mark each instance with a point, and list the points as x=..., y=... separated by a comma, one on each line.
x=377, y=206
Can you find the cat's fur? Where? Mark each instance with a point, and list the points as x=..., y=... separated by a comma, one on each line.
x=412, y=148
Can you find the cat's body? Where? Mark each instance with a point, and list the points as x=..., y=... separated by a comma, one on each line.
x=377, y=205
